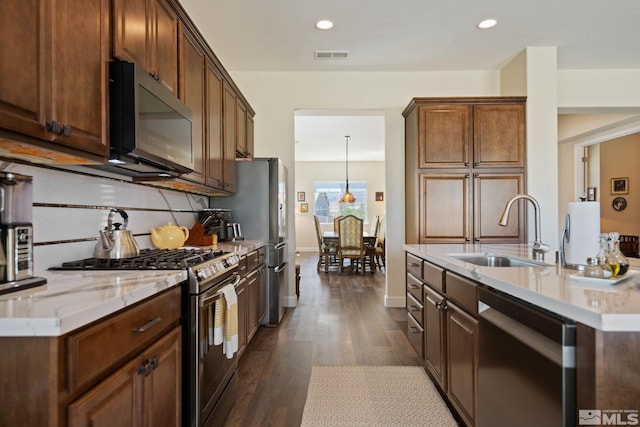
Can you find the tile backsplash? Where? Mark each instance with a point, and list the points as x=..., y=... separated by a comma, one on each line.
x=70, y=207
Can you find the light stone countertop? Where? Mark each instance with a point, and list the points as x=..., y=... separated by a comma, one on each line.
x=71, y=299
x=602, y=306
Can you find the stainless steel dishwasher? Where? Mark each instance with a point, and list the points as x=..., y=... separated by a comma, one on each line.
x=526, y=365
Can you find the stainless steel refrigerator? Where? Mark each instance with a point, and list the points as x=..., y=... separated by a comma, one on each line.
x=259, y=206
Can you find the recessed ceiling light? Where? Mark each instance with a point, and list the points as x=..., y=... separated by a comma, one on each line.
x=487, y=23
x=324, y=24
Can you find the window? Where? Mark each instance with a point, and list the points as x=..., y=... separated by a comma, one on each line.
x=326, y=195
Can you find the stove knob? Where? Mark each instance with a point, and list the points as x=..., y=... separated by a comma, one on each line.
x=203, y=274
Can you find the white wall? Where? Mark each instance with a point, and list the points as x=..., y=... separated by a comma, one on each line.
x=595, y=106
x=308, y=172
x=71, y=209
x=276, y=95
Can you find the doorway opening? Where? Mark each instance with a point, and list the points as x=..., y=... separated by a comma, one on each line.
x=321, y=169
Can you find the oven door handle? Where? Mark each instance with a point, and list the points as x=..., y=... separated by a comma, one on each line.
x=214, y=293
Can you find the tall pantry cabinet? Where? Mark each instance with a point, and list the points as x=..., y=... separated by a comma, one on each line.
x=464, y=159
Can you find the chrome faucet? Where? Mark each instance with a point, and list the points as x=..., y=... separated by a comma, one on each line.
x=539, y=248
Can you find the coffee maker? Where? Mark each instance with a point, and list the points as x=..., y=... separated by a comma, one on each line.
x=16, y=233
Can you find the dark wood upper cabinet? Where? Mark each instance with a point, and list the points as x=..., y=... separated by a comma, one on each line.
x=215, y=158
x=152, y=46
x=54, y=90
x=54, y=87
x=22, y=79
x=229, y=112
x=241, y=130
x=444, y=136
x=499, y=135
x=464, y=158
x=192, y=93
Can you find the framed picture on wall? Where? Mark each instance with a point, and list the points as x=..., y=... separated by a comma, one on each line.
x=619, y=185
x=301, y=196
x=304, y=207
x=591, y=194
x=379, y=196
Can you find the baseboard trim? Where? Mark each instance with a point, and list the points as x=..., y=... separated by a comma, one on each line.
x=395, y=302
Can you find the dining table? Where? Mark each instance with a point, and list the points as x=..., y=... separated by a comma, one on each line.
x=331, y=238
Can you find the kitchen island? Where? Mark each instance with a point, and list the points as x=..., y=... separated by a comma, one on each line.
x=602, y=307
x=444, y=321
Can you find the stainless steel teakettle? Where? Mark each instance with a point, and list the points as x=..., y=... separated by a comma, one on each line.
x=116, y=242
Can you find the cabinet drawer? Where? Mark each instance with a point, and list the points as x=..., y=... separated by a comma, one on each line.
x=415, y=308
x=100, y=348
x=463, y=291
x=414, y=287
x=242, y=265
x=414, y=265
x=415, y=334
x=253, y=260
x=262, y=255
x=433, y=276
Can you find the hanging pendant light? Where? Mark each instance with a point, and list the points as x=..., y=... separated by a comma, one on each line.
x=347, y=197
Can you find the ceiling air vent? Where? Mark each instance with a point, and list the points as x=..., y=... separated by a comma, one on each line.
x=331, y=54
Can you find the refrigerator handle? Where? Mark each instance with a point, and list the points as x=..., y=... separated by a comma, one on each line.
x=280, y=267
x=280, y=245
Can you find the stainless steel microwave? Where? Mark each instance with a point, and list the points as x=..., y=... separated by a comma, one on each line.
x=150, y=128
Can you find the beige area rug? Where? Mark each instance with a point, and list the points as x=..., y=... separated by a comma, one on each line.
x=373, y=396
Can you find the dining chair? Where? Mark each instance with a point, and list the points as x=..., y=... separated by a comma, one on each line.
x=371, y=245
x=335, y=223
x=327, y=254
x=379, y=249
x=375, y=223
x=351, y=242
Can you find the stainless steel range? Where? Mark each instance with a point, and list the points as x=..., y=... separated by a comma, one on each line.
x=209, y=377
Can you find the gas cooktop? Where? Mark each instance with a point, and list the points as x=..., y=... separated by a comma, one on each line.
x=149, y=259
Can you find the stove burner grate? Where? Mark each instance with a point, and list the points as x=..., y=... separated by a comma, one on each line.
x=149, y=259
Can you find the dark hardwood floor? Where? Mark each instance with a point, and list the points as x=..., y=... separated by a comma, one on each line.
x=339, y=320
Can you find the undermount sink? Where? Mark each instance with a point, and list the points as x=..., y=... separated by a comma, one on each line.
x=490, y=260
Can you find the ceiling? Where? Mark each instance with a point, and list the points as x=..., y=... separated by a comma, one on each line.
x=320, y=135
x=416, y=35
x=409, y=35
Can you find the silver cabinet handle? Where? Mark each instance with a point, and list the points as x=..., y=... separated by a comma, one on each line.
x=147, y=325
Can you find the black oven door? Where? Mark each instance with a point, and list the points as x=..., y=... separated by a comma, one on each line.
x=211, y=373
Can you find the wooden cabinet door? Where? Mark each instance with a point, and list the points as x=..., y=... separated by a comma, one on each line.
x=253, y=297
x=78, y=74
x=262, y=285
x=215, y=148
x=434, y=336
x=491, y=193
x=114, y=402
x=22, y=71
x=229, y=111
x=243, y=306
x=146, y=33
x=163, y=58
x=249, y=135
x=462, y=360
x=162, y=389
x=192, y=93
x=499, y=135
x=130, y=31
x=241, y=130
x=444, y=136
x=445, y=208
